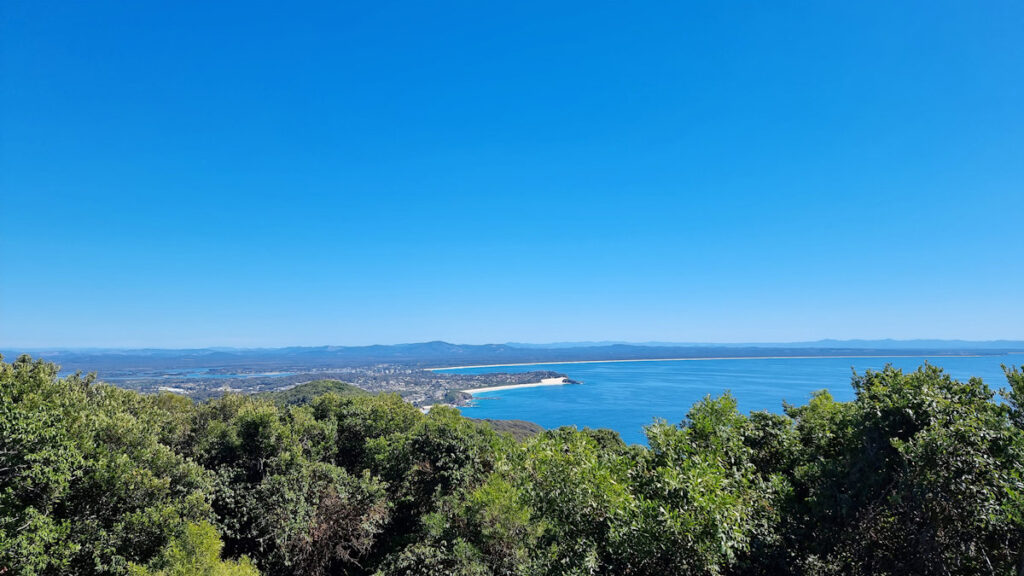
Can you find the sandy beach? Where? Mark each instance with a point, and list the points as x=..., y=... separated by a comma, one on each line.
x=544, y=382
x=697, y=359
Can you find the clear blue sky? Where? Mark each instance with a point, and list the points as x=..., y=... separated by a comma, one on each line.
x=263, y=173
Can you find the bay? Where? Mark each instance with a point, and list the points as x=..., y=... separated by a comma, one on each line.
x=626, y=396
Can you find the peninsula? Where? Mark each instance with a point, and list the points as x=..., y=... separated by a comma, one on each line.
x=557, y=381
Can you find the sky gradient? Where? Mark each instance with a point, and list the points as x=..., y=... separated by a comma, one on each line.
x=178, y=174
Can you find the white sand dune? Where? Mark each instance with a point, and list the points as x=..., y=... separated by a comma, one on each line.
x=544, y=382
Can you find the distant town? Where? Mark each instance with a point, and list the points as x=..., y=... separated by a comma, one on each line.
x=417, y=386
x=412, y=370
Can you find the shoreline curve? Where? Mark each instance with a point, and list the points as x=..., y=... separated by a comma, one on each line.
x=702, y=358
x=544, y=382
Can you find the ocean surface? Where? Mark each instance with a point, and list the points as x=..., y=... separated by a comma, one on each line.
x=626, y=396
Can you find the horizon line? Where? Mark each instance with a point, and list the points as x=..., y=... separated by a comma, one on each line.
x=697, y=359
x=559, y=344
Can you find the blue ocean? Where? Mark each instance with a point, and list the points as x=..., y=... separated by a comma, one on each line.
x=626, y=396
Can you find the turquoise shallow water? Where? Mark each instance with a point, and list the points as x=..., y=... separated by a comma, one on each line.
x=626, y=396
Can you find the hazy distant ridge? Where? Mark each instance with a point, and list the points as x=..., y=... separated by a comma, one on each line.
x=883, y=344
x=439, y=354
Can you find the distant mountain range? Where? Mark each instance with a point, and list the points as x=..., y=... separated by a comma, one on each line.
x=441, y=354
x=882, y=344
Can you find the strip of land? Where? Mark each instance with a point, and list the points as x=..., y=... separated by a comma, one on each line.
x=693, y=359
x=544, y=382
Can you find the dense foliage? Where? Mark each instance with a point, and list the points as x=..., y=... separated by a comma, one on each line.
x=307, y=392
x=920, y=474
x=518, y=429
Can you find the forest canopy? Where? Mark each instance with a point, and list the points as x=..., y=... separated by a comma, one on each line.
x=919, y=474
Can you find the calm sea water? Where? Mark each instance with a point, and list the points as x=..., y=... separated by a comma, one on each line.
x=626, y=396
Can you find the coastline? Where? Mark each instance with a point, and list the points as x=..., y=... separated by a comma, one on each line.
x=695, y=359
x=544, y=382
